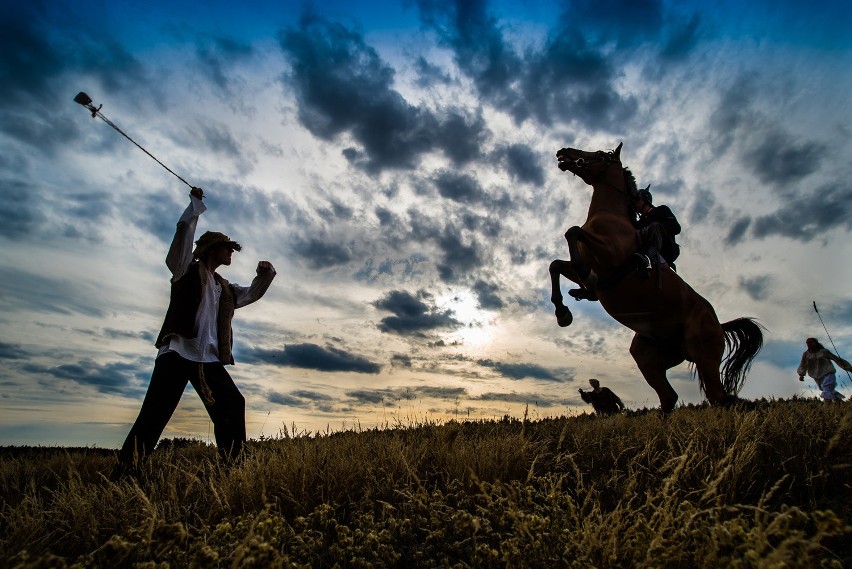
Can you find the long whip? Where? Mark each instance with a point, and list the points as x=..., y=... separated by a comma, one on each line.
x=83, y=99
x=829, y=337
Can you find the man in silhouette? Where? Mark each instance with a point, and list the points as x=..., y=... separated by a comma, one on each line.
x=604, y=401
x=196, y=339
x=657, y=227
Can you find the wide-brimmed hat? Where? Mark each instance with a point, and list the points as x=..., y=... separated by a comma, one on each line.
x=210, y=239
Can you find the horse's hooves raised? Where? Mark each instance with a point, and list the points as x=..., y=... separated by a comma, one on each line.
x=564, y=317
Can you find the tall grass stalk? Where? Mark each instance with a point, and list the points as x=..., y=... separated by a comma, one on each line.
x=766, y=487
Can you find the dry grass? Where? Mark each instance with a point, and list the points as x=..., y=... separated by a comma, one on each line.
x=767, y=487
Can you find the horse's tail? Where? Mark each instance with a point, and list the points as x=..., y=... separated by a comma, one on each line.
x=743, y=340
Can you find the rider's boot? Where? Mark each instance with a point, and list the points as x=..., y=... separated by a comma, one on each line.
x=583, y=294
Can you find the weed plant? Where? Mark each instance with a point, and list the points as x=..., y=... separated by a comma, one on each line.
x=767, y=486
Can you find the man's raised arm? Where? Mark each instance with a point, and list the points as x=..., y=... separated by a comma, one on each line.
x=179, y=256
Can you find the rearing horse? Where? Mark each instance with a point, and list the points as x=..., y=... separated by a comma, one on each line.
x=673, y=323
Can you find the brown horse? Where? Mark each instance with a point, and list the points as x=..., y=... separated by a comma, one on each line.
x=673, y=323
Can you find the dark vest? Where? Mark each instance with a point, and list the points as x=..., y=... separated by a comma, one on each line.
x=183, y=306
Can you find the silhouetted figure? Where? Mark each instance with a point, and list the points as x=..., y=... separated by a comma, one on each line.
x=196, y=339
x=604, y=401
x=657, y=227
x=816, y=362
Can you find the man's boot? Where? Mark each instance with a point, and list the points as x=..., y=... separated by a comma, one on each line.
x=583, y=294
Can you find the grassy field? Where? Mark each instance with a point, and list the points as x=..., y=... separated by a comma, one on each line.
x=765, y=487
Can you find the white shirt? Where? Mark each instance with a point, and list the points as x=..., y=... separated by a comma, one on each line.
x=204, y=347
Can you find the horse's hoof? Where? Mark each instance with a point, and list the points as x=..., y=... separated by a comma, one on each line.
x=563, y=316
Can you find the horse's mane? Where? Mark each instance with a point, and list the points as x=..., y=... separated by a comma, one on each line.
x=630, y=184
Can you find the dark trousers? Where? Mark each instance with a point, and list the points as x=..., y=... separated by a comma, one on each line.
x=223, y=401
x=652, y=238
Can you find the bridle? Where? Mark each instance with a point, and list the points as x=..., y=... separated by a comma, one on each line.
x=607, y=158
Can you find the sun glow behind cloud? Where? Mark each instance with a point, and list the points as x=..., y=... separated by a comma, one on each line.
x=479, y=327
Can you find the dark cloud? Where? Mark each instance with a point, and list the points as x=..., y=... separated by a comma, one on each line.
x=809, y=216
x=682, y=40
x=764, y=147
x=461, y=136
x=448, y=393
x=569, y=79
x=461, y=188
x=215, y=55
x=312, y=356
x=42, y=294
x=524, y=164
x=486, y=295
x=285, y=399
x=412, y=315
x=12, y=352
x=522, y=370
x=311, y=395
x=45, y=41
x=738, y=230
x=627, y=22
x=459, y=258
x=401, y=360
x=702, y=206
x=121, y=378
x=19, y=213
x=342, y=86
x=778, y=159
x=429, y=75
x=28, y=61
x=321, y=254
x=298, y=398
x=477, y=44
x=372, y=395
x=210, y=137
x=756, y=287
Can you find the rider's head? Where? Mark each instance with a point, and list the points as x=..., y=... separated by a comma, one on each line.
x=594, y=383
x=643, y=200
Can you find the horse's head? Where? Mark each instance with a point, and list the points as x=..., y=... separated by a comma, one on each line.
x=592, y=167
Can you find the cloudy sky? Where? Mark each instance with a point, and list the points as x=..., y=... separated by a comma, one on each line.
x=395, y=161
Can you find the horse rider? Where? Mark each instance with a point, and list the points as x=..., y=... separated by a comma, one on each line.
x=657, y=227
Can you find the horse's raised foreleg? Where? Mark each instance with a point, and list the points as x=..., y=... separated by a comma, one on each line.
x=574, y=235
x=653, y=361
x=565, y=269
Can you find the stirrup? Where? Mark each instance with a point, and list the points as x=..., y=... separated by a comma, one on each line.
x=644, y=266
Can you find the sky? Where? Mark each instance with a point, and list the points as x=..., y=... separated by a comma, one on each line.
x=395, y=161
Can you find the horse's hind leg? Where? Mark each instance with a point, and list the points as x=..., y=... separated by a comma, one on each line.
x=653, y=363
x=705, y=345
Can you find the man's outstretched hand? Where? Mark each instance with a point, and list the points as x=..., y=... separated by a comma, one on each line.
x=264, y=266
x=197, y=192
